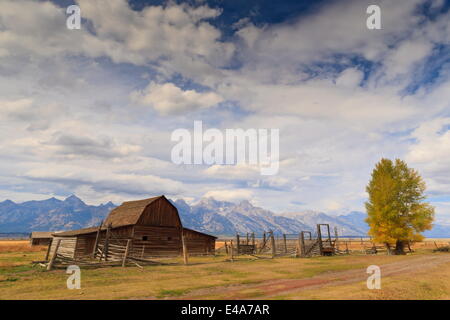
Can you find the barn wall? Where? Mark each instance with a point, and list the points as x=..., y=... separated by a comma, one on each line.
x=198, y=243
x=160, y=213
x=120, y=233
x=115, y=233
x=84, y=245
x=118, y=236
x=40, y=241
x=156, y=241
x=66, y=247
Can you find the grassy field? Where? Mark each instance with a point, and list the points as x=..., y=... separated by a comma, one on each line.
x=338, y=277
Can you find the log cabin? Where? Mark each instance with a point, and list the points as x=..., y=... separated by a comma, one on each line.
x=40, y=238
x=153, y=225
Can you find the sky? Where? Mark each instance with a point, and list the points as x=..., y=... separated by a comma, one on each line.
x=91, y=111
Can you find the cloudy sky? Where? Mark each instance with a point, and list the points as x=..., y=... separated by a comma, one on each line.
x=91, y=111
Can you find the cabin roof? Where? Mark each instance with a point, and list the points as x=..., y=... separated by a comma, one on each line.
x=128, y=213
x=198, y=232
x=77, y=232
x=42, y=234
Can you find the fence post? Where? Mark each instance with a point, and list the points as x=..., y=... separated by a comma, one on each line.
x=329, y=234
x=336, y=241
x=263, y=244
x=285, y=244
x=302, y=244
x=97, y=238
x=226, y=248
x=48, y=249
x=274, y=249
x=185, y=250
x=106, y=246
x=127, y=249
x=319, y=237
x=253, y=242
x=238, y=247
x=231, y=251
x=55, y=253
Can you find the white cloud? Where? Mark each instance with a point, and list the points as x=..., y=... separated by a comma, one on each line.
x=167, y=98
x=105, y=180
x=403, y=58
x=173, y=38
x=430, y=154
x=350, y=77
x=230, y=195
x=433, y=142
x=233, y=172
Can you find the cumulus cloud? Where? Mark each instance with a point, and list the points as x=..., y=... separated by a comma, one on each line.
x=406, y=55
x=432, y=141
x=230, y=195
x=233, y=172
x=25, y=112
x=175, y=38
x=350, y=77
x=156, y=30
x=167, y=98
x=430, y=153
x=79, y=145
x=341, y=28
x=103, y=180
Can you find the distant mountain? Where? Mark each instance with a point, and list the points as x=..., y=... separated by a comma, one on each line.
x=208, y=215
x=51, y=214
x=438, y=231
x=220, y=217
x=343, y=225
x=356, y=220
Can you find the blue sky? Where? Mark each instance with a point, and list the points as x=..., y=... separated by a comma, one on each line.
x=91, y=111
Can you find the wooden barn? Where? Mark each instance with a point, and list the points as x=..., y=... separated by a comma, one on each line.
x=153, y=225
x=40, y=238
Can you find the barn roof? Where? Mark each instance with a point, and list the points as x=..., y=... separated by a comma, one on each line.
x=128, y=213
x=41, y=234
x=77, y=232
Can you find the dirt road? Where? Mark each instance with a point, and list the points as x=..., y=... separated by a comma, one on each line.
x=268, y=289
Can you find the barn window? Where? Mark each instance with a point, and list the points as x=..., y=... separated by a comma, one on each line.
x=145, y=238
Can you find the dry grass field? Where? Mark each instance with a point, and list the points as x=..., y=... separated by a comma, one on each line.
x=338, y=277
x=19, y=246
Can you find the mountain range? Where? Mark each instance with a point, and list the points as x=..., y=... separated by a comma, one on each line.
x=207, y=215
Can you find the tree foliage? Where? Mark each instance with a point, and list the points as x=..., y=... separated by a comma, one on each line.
x=396, y=209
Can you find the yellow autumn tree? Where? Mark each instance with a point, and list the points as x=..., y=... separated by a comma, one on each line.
x=396, y=209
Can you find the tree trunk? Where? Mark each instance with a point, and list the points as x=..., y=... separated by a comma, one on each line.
x=388, y=247
x=400, y=247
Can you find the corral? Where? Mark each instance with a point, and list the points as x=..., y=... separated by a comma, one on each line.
x=304, y=244
x=39, y=238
